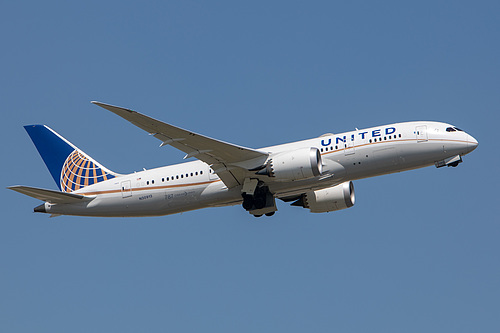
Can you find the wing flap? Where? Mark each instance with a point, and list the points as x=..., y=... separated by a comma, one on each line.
x=50, y=196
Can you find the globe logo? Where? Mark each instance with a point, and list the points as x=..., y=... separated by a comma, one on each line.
x=79, y=171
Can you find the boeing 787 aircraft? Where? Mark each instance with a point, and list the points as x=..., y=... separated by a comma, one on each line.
x=316, y=174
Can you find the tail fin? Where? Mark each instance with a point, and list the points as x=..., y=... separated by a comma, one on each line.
x=70, y=167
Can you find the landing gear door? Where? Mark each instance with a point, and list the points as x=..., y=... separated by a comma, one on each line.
x=421, y=133
x=126, y=189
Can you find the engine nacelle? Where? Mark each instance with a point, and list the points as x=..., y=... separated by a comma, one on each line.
x=330, y=199
x=294, y=165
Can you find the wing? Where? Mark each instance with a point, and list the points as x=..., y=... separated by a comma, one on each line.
x=230, y=162
x=49, y=195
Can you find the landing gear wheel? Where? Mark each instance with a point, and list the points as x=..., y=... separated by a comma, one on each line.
x=247, y=202
x=270, y=214
x=257, y=216
x=259, y=203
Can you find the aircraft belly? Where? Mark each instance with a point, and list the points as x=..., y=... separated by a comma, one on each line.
x=143, y=203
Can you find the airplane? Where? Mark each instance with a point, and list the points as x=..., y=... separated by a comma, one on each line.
x=316, y=174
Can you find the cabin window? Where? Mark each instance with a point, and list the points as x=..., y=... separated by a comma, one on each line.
x=201, y=172
x=147, y=183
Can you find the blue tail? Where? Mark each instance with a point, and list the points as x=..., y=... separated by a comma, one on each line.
x=70, y=167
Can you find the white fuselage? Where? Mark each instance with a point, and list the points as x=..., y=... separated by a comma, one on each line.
x=347, y=156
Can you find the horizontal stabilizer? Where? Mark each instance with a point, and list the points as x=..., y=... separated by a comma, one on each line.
x=50, y=196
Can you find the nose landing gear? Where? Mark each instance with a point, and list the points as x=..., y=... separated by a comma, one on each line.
x=451, y=161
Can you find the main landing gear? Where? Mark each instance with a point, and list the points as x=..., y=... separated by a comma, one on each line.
x=257, y=199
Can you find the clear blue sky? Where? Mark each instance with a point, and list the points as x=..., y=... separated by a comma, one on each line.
x=419, y=252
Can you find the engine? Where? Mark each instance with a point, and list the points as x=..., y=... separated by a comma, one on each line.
x=328, y=199
x=294, y=165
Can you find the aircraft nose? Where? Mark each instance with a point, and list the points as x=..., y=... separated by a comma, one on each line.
x=471, y=143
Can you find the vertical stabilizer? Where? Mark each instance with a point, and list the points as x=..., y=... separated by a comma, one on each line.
x=70, y=167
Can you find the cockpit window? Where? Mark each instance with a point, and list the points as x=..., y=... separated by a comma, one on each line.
x=458, y=129
x=450, y=129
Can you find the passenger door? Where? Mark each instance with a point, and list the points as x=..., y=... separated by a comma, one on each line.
x=421, y=133
x=126, y=189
